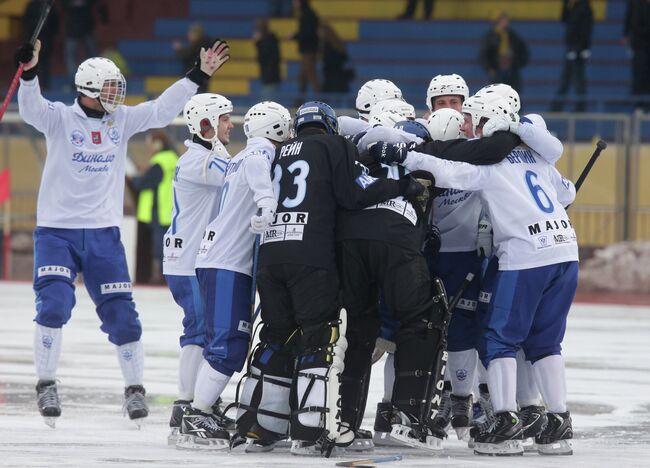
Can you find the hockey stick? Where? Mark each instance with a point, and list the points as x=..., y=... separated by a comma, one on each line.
x=256, y=255
x=468, y=279
x=600, y=146
x=370, y=461
x=16, y=80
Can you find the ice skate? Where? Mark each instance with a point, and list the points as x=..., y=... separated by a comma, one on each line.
x=483, y=422
x=502, y=438
x=382, y=426
x=312, y=449
x=201, y=431
x=135, y=405
x=220, y=415
x=363, y=441
x=555, y=438
x=442, y=419
x=425, y=435
x=533, y=421
x=175, y=420
x=48, y=401
x=461, y=415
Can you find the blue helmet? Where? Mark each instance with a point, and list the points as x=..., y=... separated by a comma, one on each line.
x=414, y=128
x=319, y=112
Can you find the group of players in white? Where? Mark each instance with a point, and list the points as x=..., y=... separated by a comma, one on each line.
x=509, y=363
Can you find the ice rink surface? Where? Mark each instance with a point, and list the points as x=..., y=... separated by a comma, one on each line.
x=607, y=351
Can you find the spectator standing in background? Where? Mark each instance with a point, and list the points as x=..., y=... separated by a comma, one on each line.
x=503, y=53
x=79, y=20
x=636, y=35
x=268, y=58
x=307, y=37
x=50, y=29
x=188, y=53
x=154, y=205
x=410, y=9
x=336, y=72
x=579, y=20
x=281, y=8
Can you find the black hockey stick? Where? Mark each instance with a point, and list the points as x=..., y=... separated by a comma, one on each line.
x=466, y=282
x=600, y=146
x=16, y=79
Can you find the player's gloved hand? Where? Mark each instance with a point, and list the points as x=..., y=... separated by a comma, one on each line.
x=27, y=54
x=484, y=238
x=506, y=123
x=431, y=244
x=213, y=58
x=408, y=186
x=261, y=221
x=389, y=153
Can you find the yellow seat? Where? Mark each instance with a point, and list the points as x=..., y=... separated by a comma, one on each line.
x=14, y=8
x=284, y=27
x=245, y=49
x=154, y=85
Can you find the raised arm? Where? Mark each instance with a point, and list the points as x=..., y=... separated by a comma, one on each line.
x=539, y=139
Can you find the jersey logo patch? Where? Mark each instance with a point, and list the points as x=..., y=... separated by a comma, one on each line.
x=96, y=137
x=364, y=181
x=76, y=138
x=112, y=288
x=114, y=135
x=244, y=327
x=54, y=270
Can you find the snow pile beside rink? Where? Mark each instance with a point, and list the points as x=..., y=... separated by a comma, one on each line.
x=621, y=267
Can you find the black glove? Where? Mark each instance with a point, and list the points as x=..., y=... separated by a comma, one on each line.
x=431, y=245
x=23, y=54
x=409, y=187
x=389, y=153
x=197, y=75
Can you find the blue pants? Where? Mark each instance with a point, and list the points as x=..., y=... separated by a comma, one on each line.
x=60, y=254
x=227, y=299
x=452, y=268
x=186, y=293
x=527, y=309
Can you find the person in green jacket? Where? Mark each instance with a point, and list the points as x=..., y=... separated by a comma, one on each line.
x=155, y=197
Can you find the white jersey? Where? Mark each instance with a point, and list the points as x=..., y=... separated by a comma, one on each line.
x=524, y=197
x=227, y=241
x=196, y=193
x=456, y=213
x=352, y=126
x=83, y=179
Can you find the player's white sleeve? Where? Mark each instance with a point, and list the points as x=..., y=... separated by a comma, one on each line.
x=351, y=126
x=215, y=171
x=161, y=111
x=448, y=174
x=389, y=135
x=37, y=111
x=257, y=168
x=541, y=141
x=566, y=191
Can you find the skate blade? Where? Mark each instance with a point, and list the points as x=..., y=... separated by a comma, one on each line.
x=50, y=421
x=173, y=436
x=189, y=442
x=561, y=447
x=383, y=439
x=529, y=445
x=361, y=445
x=400, y=433
x=462, y=433
x=297, y=448
x=503, y=449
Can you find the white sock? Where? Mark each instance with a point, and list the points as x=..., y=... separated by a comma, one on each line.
x=462, y=371
x=209, y=386
x=131, y=358
x=482, y=373
x=47, y=349
x=527, y=392
x=189, y=362
x=502, y=383
x=551, y=382
x=389, y=377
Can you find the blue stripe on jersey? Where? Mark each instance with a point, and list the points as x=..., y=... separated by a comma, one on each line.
x=215, y=163
x=177, y=211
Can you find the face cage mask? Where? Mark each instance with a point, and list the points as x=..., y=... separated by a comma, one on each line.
x=112, y=94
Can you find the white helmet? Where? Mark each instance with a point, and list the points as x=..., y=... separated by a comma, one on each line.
x=445, y=124
x=479, y=107
x=446, y=85
x=386, y=119
x=394, y=105
x=268, y=119
x=202, y=113
x=99, y=77
x=505, y=91
x=374, y=91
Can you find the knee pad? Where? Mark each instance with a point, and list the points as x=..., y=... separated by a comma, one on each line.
x=120, y=320
x=54, y=302
x=263, y=409
x=315, y=391
x=361, y=336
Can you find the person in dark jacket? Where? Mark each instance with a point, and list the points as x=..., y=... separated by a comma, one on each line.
x=503, y=53
x=188, y=53
x=51, y=27
x=268, y=58
x=336, y=72
x=79, y=18
x=636, y=34
x=307, y=37
x=579, y=20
